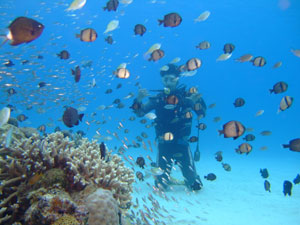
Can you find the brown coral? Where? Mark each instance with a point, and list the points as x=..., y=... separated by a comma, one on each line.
x=66, y=220
x=82, y=165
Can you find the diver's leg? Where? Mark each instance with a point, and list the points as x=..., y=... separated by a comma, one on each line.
x=165, y=164
x=187, y=166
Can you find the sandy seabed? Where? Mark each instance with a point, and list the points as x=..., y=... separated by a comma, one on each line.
x=234, y=198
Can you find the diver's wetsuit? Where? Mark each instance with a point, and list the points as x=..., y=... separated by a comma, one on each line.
x=175, y=117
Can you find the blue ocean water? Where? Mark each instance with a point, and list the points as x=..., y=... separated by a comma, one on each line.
x=261, y=28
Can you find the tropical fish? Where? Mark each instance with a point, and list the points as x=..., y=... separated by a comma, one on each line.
x=226, y=166
x=279, y=87
x=213, y=105
x=203, y=16
x=64, y=54
x=76, y=73
x=127, y=2
x=244, y=58
x=122, y=73
x=122, y=65
x=294, y=145
x=210, y=177
x=4, y=116
x=109, y=40
x=42, y=128
x=111, y=5
x=193, y=139
x=259, y=112
x=277, y=65
x=267, y=186
x=156, y=55
x=259, y=61
x=71, y=117
x=168, y=136
x=151, y=49
x=171, y=20
x=285, y=103
x=232, y=129
x=102, y=150
x=8, y=63
x=266, y=133
x=22, y=117
x=140, y=161
x=244, y=148
x=249, y=137
x=219, y=156
x=139, y=175
x=112, y=25
x=188, y=73
x=139, y=29
x=164, y=68
x=239, y=102
x=224, y=56
x=264, y=173
x=296, y=52
x=150, y=116
x=76, y=4
x=287, y=188
x=228, y=48
x=203, y=45
x=297, y=179
x=201, y=126
x=217, y=119
x=156, y=171
x=87, y=35
x=193, y=64
x=23, y=30
x=175, y=60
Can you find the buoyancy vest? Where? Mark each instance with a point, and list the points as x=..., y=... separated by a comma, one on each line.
x=173, y=111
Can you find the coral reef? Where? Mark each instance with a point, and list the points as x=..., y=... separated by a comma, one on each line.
x=66, y=220
x=103, y=208
x=16, y=134
x=51, y=205
x=40, y=165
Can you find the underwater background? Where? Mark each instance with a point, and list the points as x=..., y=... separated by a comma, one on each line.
x=268, y=28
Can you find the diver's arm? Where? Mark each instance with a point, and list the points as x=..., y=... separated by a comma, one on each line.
x=138, y=107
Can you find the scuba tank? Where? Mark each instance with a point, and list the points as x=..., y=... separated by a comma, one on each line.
x=197, y=152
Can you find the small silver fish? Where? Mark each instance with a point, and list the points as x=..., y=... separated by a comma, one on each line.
x=169, y=106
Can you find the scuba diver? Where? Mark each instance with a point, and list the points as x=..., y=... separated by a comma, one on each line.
x=173, y=108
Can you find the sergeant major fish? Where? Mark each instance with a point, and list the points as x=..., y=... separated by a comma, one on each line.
x=23, y=30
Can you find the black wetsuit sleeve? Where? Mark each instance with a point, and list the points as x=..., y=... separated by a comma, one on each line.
x=144, y=108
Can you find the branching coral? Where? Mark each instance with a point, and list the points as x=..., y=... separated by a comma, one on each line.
x=22, y=164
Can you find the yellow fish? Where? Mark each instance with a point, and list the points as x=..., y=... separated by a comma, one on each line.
x=4, y=115
x=76, y=4
x=122, y=65
x=127, y=2
x=296, y=52
x=175, y=60
x=164, y=68
x=224, y=57
x=112, y=25
x=259, y=112
x=203, y=16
